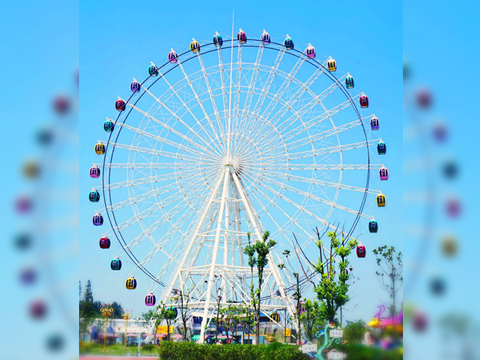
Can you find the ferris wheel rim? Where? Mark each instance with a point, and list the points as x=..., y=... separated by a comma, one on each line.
x=298, y=54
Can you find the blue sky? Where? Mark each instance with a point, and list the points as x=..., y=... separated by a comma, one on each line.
x=41, y=41
x=432, y=66
x=117, y=43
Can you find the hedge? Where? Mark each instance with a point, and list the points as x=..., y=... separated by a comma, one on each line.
x=362, y=352
x=192, y=351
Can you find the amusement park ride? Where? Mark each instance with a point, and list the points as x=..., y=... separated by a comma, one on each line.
x=234, y=137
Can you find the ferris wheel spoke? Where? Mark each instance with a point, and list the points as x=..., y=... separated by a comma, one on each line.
x=259, y=133
x=321, y=167
x=217, y=138
x=244, y=122
x=251, y=85
x=305, y=126
x=147, y=232
x=223, y=86
x=316, y=100
x=236, y=106
x=153, y=193
x=324, y=134
x=301, y=208
x=283, y=88
x=313, y=197
x=147, y=195
x=332, y=149
x=160, y=139
x=268, y=83
x=172, y=89
x=303, y=88
x=330, y=184
x=176, y=132
x=140, y=181
x=151, y=165
x=313, y=139
x=164, y=153
x=136, y=199
x=318, y=119
x=212, y=99
x=291, y=219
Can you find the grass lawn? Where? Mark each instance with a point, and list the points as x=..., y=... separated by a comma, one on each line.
x=117, y=349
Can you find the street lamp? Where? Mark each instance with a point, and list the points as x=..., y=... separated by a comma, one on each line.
x=106, y=311
x=219, y=299
x=126, y=316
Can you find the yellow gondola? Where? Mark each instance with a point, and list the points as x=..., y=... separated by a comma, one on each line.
x=131, y=283
x=381, y=200
x=275, y=316
x=100, y=148
x=195, y=46
x=332, y=65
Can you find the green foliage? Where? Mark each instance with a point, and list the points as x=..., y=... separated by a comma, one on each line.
x=87, y=313
x=148, y=348
x=116, y=349
x=332, y=291
x=391, y=267
x=192, y=351
x=354, y=331
x=182, y=299
x=258, y=255
x=231, y=316
x=362, y=352
x=311, y=319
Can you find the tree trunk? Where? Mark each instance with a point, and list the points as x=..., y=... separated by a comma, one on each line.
x=393, y=309
x=258, y=309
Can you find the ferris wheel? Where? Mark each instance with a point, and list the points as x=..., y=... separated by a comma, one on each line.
x=226, y=140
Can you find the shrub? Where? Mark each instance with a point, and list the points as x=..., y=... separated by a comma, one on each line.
x=192, y=351
x=148, y=347
x=354, y=331
x=362, y=352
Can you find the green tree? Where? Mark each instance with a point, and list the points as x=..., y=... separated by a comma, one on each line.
x=117, y=310
x=230, y=316
x=311, y=319
x=391, y=267
x=152, y=316
x=332, y=290
x=297, y=295
x=258, y=255
x=86, y=309
x=354, y=331
x=168, y=314
x=183, y=299
x=247, y=319
x=249, y=250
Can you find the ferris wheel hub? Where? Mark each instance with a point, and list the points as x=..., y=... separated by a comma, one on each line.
x=234, y=162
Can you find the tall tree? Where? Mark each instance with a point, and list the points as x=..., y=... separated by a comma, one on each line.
x=117, y=310
x=258, y=254
x=354, y=331
x=88, y=292
x=391, y=267
x=230, y=318
x=169, y=314
x=182, y=300
x=332, y=290
x=153, y=316
x=86, y=309
x=297, y=295
x=249, y=250
x=311, y=319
